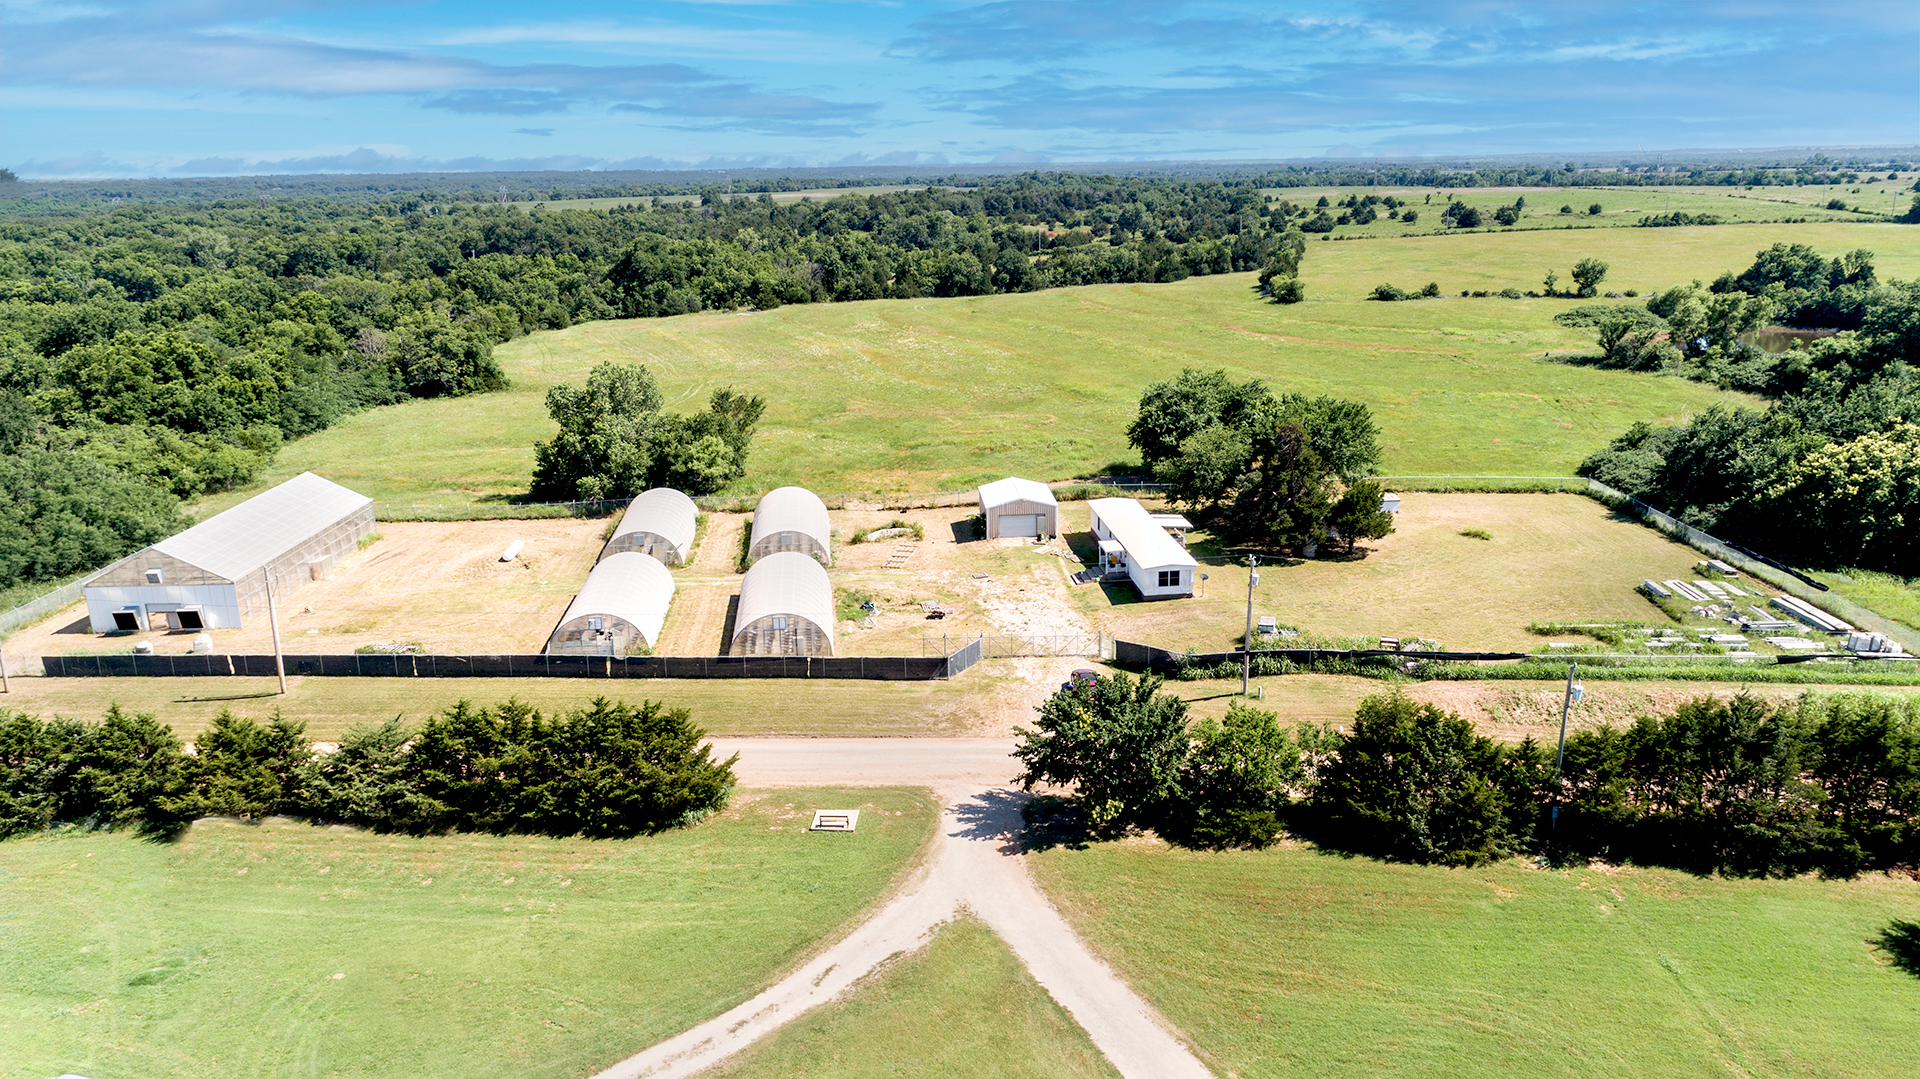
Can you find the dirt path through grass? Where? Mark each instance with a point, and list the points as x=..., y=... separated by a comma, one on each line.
x=979, y=867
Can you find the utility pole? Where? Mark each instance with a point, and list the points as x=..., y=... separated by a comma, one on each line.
x=273, y=619
x=1246, y=658
x=1574, y=693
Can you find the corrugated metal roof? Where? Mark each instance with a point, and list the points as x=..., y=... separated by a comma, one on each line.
x=1147, y=544
x=791, y=509
x=663, y=511
x=628, y=585
x=238, y=541
x=1012, y=489
x=790, y=583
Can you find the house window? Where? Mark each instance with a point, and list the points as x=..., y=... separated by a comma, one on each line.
x=1169, y=578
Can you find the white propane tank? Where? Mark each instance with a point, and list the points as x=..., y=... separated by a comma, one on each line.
x=203, y=644
x=513, y=551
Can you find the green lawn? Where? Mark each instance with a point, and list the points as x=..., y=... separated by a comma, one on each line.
x=1882, y=593
x=940, y=394
x=286, y=949
x=984, y=702
x=1295, y=963
x=963, y=1007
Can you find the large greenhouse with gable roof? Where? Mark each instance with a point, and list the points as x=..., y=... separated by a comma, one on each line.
x=215, y=574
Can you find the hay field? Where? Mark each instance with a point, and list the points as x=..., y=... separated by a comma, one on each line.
x=1294, y=963
x=936, y=394
x=288, y=949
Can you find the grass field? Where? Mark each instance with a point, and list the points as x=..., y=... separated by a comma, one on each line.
x=1552, y=557
x=1882, y=593
x=1294, y=963
x=985, y=701
x=286, y=949
x=963, y=1007
x=940, y=394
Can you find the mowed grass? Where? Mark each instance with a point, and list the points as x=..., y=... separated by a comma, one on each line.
x=940, y=394
x=985, y=701
x=1552, y=557
x=1295, y=963
x=286, y=949
x=963, y=1007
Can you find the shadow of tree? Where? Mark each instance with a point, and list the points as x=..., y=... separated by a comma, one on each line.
x=1052, y=821
x=1901, y=942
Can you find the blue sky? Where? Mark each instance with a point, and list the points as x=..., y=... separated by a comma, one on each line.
x=91, y=88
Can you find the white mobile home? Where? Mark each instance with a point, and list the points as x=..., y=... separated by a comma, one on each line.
x=214, y=575
x=619, y=611
x=1134, y=546
x=1019, y=508
x=659, y=523
x=791, y=519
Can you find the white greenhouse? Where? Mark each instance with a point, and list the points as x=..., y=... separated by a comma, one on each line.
x=619, y=610
x=214, y=575
x=1134, y=546
x=791, y=519
x=1017, y=507
x=659, y=523
x=786, y=608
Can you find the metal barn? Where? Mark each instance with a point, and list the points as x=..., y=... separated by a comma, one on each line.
x=619, y=610
x=1017, y=507
x=215, y=574
x=791, y=519
x=659, y=523
x=786, y=608
x=1134, y=547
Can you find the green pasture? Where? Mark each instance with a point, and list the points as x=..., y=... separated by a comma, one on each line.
x=286, y=949
x=963, y=1007
x=936, y=394
x=1292, y=962
x=1620, y=207
x=1882, y=593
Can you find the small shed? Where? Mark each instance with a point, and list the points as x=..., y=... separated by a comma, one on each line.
x=791, y=519
x=786, y=608
x=619, y=610
x=659, y=523
x=214, y=575
x=1133, y=546
x=1019, y=508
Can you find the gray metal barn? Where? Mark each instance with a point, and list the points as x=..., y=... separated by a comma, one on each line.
x=214, y=575
x=786, y=608
x=619, y=610
x=660, y=523
x=791, y=519
x=1017, y=507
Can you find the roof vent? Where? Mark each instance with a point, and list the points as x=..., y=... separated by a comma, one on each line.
x=155, y=575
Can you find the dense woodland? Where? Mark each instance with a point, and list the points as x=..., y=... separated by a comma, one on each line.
x=155, y=353
x=1829, y=473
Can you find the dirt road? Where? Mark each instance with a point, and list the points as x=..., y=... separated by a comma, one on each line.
x=978, y=866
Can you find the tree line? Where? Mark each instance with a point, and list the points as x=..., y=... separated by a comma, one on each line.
x=1742, y=786
x=609, y=769
x=152, y=354
x=1828, y=474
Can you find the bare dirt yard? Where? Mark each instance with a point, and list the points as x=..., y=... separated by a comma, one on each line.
x=440, y=585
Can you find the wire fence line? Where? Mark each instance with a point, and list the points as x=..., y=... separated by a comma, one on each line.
x=901, y=500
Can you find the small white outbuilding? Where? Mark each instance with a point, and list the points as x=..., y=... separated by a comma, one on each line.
x=791, y=519
x=215, y=574
x=1134, y=546
x=619, y=610
x=1019, y=508
x=659, y=523
x=786, y=608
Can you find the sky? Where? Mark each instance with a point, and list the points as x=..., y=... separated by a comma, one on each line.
x=101, y=89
